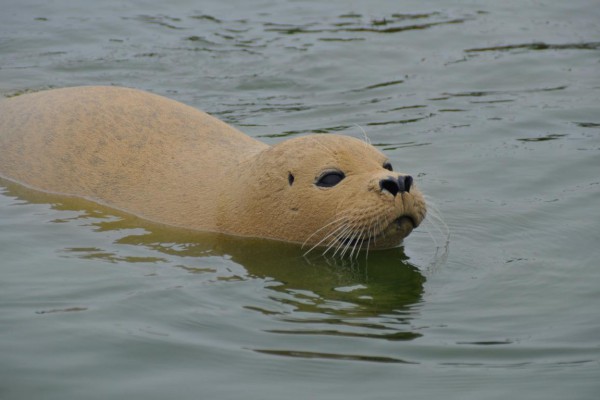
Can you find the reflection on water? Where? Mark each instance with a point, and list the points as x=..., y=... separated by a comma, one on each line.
x=370, y=297
x=345, y=23
x=306, y=354
x=539, y=46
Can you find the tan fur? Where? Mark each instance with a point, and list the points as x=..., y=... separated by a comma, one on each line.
x=170, y=163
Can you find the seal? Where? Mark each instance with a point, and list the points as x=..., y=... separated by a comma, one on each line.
x=170, y=163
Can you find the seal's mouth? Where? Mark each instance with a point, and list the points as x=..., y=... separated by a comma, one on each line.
x=390, y=236
x=398, y=229
x=401, y=220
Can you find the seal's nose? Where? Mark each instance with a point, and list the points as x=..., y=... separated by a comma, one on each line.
x=402, y=184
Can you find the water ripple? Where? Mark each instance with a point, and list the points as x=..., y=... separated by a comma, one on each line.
x=332, y=356
x=539, y=46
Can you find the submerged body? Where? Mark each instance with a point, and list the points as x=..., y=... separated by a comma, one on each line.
x=173, y=164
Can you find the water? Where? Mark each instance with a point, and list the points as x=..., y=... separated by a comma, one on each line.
x=492, y=106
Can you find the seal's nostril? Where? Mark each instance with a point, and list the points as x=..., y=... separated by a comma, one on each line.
x=390, y=185
x=405, y=183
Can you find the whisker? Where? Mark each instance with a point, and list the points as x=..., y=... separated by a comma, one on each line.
x=365, y=137
x=354, y=241
x=432, y=207
x=434, y=213
x=323, y=227
x=374, y=225
x=444, y=233
x=343, y=238
x=369, y=237
x=333, y=232
x=437, y=218
x=431, y=236
x=335, y=239
x=357, y=244
x=380, y=227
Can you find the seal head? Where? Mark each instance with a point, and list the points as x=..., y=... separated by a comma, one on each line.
x=322, y=190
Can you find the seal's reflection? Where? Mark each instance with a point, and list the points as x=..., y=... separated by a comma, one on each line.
x=384, y=282
x=372, y=296
x=361, y=293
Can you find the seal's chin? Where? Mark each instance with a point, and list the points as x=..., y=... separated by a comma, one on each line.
x=395, y=232
x=405, y=221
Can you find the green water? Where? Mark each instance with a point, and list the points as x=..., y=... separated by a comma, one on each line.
x=493, y=107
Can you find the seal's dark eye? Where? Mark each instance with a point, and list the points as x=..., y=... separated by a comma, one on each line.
x=388, y=166
x=331, y=178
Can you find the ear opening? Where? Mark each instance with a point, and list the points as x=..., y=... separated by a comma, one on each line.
x=290, y=178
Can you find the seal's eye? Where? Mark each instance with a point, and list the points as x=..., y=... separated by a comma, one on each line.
x=388, y=166
x=330, y=178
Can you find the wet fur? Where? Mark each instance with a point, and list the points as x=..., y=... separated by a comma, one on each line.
x=170, y=163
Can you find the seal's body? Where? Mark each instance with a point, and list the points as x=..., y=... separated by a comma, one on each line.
x=170, y=163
